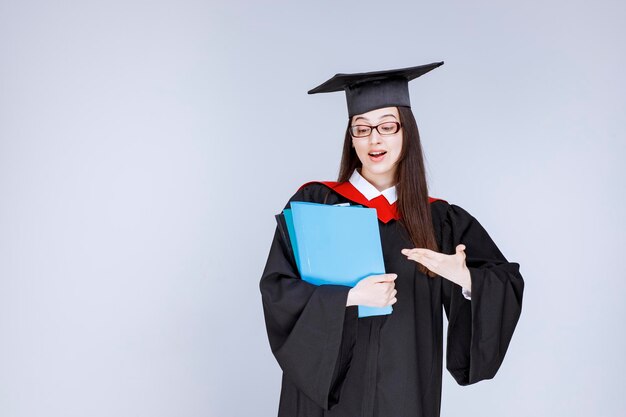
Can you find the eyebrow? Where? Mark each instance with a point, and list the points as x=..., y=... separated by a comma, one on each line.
x=381, y=117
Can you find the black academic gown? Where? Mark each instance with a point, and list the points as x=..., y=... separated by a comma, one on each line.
x=336, y=364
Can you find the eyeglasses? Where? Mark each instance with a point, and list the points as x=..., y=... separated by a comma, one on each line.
x=387, y=128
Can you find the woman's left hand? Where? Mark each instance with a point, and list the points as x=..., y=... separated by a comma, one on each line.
x=451, y=267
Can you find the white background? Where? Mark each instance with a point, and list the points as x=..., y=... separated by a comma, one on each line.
x=146, y=145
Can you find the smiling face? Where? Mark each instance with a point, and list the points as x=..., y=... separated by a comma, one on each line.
x=380, y=170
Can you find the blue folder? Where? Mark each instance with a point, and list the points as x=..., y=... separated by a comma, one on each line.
x=336, y=245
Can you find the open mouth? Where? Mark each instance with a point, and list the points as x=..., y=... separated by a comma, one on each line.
x=377, y=156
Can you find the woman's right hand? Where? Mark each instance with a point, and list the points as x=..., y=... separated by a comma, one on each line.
x=374, y=291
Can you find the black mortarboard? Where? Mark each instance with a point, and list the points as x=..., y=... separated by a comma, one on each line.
x=367, y=91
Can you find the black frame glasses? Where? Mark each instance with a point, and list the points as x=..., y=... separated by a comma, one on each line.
x=371, y=128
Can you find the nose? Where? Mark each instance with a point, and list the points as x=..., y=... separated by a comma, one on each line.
x=374, y=136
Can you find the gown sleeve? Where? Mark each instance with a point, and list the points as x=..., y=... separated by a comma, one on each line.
x=311, y=331
x=480, y=329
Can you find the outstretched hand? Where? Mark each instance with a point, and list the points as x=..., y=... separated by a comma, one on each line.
x=451, y=267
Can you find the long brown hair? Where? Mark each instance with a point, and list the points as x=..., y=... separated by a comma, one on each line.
x=410, y=179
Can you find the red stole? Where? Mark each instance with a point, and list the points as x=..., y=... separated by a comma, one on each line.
x=384, y=210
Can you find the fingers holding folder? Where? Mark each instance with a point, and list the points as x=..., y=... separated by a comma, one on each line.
x=375, y=291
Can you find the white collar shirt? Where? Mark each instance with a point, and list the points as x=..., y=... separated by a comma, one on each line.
x=369, y=190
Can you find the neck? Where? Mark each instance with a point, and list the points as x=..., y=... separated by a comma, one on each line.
x=380, y=181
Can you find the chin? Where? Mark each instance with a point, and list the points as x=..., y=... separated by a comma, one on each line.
x=378, y=169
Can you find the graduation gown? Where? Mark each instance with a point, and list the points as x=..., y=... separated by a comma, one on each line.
x=336, y=364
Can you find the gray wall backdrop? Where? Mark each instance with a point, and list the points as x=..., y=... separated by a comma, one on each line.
x=146, y=145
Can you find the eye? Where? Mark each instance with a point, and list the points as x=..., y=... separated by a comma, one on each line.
x=388, y=127
x=361, y=130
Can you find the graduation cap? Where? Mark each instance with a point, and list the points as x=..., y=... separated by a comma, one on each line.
x=367, y=91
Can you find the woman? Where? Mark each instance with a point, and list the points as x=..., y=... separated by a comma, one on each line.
x=337, y=364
